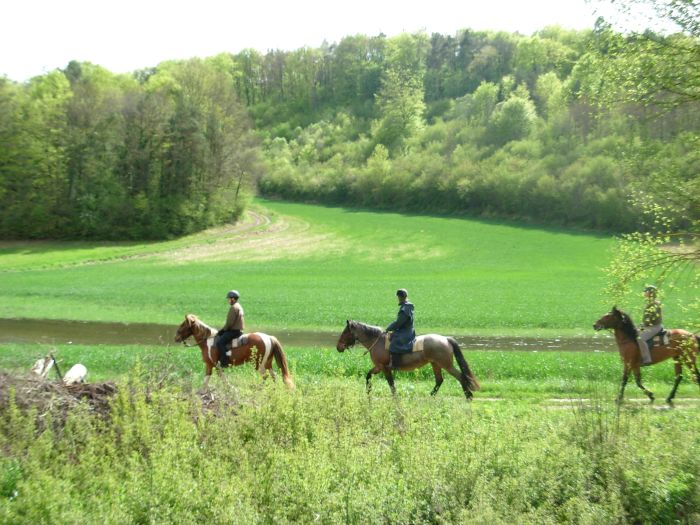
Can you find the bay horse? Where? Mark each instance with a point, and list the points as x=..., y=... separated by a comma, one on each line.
x=437, y=350
x=257, y=347
x=682, y=348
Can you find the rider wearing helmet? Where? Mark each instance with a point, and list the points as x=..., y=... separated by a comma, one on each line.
x=651, y=323
x=233, y=327
x=403, y=333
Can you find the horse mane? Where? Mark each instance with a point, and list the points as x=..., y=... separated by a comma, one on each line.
x=201, y=323
x=628, y=327
x=368, y=328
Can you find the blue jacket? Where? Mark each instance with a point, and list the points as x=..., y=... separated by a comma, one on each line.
x=404, y=334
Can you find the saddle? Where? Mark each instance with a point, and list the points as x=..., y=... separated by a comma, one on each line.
x=661, y=339
x=235, y=343
x=416, y=347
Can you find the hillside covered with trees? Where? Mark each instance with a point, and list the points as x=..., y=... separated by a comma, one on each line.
x=538, y=128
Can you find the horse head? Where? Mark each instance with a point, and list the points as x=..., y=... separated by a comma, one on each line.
x=613, y=319
x=187, y=328
x=347, y=337
x=610, y=320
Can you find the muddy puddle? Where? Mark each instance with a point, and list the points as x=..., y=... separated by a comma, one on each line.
x=50, y=331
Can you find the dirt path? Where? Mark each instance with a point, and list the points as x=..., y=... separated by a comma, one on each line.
x=257, y=237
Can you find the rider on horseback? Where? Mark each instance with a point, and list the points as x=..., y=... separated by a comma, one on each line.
x=233, y=328
x=651, y=323
x=403, y=334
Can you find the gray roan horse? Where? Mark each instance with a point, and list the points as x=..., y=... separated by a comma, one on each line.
x=437, y=350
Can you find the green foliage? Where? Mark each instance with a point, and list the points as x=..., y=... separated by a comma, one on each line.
x=327, y=452
x=517, y=117
x=400, y=100
x=161, y=153
x=513, y=120
x=96, y=155
x=655, y=69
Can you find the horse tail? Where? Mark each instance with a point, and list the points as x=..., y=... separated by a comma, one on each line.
x=463, y=366
x=281, y=360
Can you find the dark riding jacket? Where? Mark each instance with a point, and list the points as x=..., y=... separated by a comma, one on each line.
x=404, y=334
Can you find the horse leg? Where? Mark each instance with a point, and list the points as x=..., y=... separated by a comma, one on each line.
x=678, y=368
x=368, y=378
x=438, y=378
x=390, y=379
x=638, y=380
x=457, y=374
x=221, y=375
x=623, y=383
x=207, y=375
x=266, y=357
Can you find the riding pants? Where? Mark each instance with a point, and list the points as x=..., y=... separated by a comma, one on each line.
x=645, y=334
x=222, y=341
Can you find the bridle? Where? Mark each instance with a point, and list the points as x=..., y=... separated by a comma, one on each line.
x=348, y=346
x=354, y=340
x=197, y=341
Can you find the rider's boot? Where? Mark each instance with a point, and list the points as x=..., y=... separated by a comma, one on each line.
x=644, y=350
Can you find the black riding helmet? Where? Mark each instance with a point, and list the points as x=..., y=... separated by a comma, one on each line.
x=401, y=292
x=233, y=293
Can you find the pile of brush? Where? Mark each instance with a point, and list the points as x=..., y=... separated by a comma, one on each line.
x=36, y=391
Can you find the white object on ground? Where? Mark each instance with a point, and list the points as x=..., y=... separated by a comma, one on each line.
x=75, y=375
x=42, y=366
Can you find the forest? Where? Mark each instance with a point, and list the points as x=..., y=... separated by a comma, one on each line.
x=583, y=129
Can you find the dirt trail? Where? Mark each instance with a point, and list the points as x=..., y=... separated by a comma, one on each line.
x=257, y=237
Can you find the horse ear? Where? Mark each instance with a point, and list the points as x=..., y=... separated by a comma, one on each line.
x=190, y=318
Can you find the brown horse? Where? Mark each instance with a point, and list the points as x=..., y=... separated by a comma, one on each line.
x=257, y=346
x=683, y=348
x=437, y=350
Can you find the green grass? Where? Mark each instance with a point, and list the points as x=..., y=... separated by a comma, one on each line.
x=509, y=375
x=326, y=265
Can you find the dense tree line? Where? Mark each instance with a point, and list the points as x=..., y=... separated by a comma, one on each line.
x=536, y=128
x=483, y=123
x=85, y=153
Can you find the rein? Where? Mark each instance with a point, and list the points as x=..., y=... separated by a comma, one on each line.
x=369, y=349
x=197, y=341
x=375, y=342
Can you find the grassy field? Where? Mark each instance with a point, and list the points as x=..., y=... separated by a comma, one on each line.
x=311, y=267
x=542, y=442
